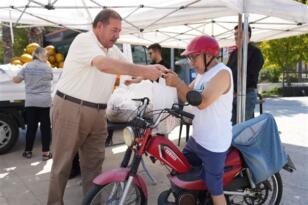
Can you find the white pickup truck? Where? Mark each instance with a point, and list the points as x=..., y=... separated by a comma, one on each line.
x=12, y=96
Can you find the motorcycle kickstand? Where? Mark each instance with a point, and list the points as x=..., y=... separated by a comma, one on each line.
x=152, y=178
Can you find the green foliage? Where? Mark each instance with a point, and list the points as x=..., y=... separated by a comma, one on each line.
x=270, y=74
x=303, y=1
x=272, y=93
x=281, y=55
x=21, y=40
x=166, y=54
x=1, y=52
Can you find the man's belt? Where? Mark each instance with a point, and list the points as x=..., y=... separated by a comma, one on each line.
x=81, y=102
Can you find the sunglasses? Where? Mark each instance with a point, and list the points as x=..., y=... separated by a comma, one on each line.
x=192, y=58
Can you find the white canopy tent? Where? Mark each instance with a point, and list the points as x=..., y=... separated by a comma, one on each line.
x=171, y=23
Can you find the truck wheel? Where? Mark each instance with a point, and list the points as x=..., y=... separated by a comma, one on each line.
x=8, y=133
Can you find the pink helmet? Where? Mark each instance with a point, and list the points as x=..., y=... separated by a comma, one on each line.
x=202, y=44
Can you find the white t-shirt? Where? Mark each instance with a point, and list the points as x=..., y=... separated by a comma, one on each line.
x=83, y=81
x=212, y=127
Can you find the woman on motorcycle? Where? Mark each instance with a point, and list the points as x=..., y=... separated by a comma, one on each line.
x=212, y=129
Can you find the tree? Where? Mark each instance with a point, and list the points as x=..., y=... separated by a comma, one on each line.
x=20, y=40
x=7, y=44
x=285, y=53
x=22, y=36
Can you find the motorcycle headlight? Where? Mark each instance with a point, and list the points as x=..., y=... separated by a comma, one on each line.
x=128, y=135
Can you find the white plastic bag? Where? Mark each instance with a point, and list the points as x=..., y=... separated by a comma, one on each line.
x=142, y=89
x=120, y=107
x=164, y=97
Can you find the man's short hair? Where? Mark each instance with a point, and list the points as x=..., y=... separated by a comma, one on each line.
x=39, y=53
x=104, y=16
x=249, y=28
x=155, y=47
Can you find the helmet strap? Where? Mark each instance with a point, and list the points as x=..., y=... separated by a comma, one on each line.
x=206, y=64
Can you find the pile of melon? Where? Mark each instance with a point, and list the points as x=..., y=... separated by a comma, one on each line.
x=55, y=59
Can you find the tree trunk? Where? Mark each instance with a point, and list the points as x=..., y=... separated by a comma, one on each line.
x=7, y=44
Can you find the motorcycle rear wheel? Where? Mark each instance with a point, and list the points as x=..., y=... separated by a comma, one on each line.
x=268, y=192
x=110, y=194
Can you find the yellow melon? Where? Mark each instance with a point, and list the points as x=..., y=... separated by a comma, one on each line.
x=31, y=47
x=16, y=62
x=26, y=58
x=50, y=50
x=15, y=58
x=59, y=57
x=54, y=64
x=49, y=64
x=51, y=59
x=61, y=64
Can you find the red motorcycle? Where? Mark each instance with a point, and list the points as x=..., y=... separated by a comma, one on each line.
x=124, y=186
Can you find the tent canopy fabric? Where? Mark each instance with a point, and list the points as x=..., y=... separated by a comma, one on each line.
x=172, y=23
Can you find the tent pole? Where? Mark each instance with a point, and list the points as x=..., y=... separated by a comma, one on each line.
x=239, y=72
x=11, y=27
x=172, y=58
x=244, y=71
x=22, y=13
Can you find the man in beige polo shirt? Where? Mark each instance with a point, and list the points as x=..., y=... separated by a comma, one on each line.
x=78, y=111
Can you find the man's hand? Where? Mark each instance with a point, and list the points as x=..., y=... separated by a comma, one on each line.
x=133, y=81
x=154, y=72
x=172, y=79
x=161, y=68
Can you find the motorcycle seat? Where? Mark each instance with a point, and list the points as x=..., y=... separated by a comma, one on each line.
x=192, y=175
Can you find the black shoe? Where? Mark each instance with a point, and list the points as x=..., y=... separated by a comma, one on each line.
x=74, y=173
x=46, y=157
x=27, y=154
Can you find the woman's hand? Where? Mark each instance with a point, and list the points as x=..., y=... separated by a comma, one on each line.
x=172, y=79
x=17, y=79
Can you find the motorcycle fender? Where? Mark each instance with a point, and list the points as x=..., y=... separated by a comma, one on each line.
x=120, y=175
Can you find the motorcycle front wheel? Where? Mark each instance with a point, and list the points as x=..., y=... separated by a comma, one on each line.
x=268, y=192
x=110, y=194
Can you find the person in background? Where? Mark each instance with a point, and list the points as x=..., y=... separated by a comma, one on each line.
x=212, y=129
x=155, y=55
x=154, y=51
x=79, y=121
x=254, y=64
x=38, y=78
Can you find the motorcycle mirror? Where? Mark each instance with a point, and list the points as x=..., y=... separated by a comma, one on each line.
x=194, y=98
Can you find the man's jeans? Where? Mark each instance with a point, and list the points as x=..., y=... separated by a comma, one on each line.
x=251, y=100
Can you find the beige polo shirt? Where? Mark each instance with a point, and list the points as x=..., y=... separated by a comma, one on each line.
x=81, y=80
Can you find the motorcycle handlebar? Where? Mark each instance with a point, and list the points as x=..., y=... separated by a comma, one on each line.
x=145, y=99
x=177, y=112
x=186, y=114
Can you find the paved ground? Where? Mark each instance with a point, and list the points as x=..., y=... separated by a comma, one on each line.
x=25, y=181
